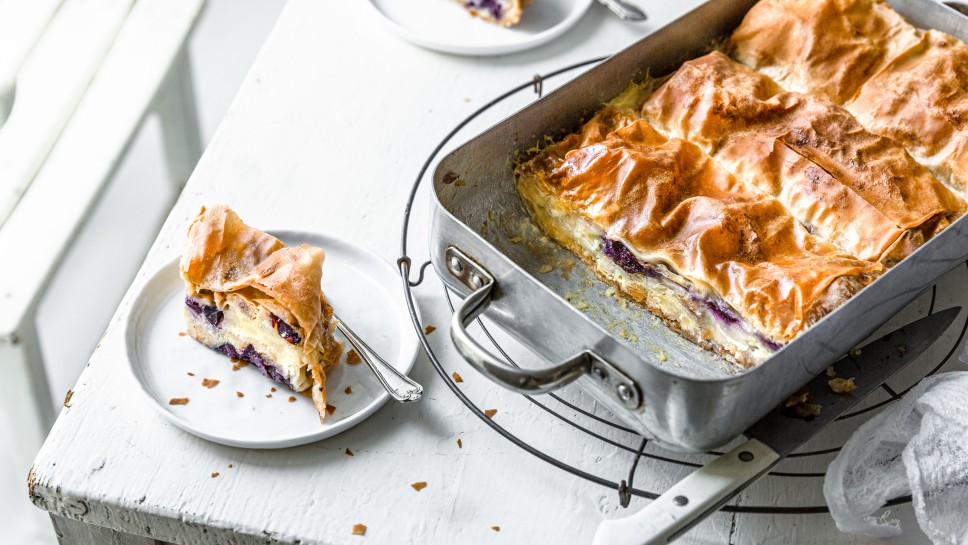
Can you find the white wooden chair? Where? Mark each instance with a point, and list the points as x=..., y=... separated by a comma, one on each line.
x=85, y=74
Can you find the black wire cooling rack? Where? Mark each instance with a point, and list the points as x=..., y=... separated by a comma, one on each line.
x=624, y=487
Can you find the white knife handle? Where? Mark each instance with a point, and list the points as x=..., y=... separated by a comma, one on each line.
x=691, y=499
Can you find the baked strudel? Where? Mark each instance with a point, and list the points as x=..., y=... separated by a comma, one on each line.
x=848, y=185
x=721, y=262
x=901, y=82
x=251, y=297
x=501, y=12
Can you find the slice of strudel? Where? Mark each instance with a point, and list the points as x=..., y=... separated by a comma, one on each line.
x=722, y=263
x=251, y=297
x=502, y=12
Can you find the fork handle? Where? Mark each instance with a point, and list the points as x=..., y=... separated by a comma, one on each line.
x=399, y=386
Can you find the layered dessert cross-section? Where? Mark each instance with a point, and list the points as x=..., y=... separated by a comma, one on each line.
x=900, y=81
x=502, y=12
x=722, y=263
x=251, y=297
x=853, y=187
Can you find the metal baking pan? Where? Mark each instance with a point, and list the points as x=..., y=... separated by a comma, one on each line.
x=485, y=248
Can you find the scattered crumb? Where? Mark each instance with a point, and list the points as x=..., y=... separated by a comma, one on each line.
x=901, y=349
x=216, y=474
x=419, y=486
x=359, y=529
x=292, y=399
x=831, y=373
x=662, y=356
x=854, y=353
x=352, y=358
x=348, y=390
x=459, y=183
x=466, y=99
x=429, y=329
x=459, y=443
x=490, y=413
x=306, y=393
x=239, y=364
x=234, y=360
x=182, y=333
x=546, y=268
x=191, y=374
x=231, y=466
x=67, y=398
x=273, y=389
x=178, y=401
x=349, y=452
x=457, y=377
x=610, y=292
x=210, y=383
x=799, y=404
x=239, y=394
x=496, y=528
x=842, y=385
x=802, y=396
x=566, y=267
x=330, y=409
x=808, y=410
x=268, y=395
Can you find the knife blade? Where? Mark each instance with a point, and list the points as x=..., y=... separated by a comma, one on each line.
x=772, y=438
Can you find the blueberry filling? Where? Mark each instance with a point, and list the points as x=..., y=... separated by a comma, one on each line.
x=492, y=7
x=617, y=252
x=250, y=355
x=285, y=330
x=211, y=313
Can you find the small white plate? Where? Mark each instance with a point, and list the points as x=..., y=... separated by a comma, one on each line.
x=443, y=25
x=359, y=285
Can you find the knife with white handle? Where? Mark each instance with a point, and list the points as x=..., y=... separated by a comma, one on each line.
x=772, y=438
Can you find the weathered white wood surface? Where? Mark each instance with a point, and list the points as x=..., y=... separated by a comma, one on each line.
x=333, y=122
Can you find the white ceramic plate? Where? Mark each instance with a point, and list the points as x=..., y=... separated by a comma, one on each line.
x=361, y=287
x=443, y=25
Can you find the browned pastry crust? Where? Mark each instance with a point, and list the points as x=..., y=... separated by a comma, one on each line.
x=899, y=81
x=670, y=204
x=850, y=186
x=510, y=14
x=225, y=258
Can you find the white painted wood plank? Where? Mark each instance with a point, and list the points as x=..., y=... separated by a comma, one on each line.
x=49, y=86
x=21, y=25
x=333, y=122
x=80, y=165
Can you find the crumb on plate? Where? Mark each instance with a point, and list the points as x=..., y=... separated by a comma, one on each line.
x=178, y=401
x=352, y=358
x=67, y=398
x=419, y=486
x=210, y=383
x=348, y=452
x=348, y=390
x=842, y=385
x=359, y=529
x=490, y=413
x=429, y=329
x=456, y=376
x=330, y=409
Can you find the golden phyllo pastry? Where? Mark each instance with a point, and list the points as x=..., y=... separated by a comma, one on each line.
x=901, y=82
x=721, y=262
x=253, y=298
x=850, y=186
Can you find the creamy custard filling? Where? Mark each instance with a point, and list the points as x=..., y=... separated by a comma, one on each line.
x=694, y=311
x=257, y=336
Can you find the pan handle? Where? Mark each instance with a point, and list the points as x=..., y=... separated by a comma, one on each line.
x=525, y=381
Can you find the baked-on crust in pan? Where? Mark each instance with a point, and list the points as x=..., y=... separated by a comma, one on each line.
x=723, y=263
x=246, y=286
x=853, y=187
x=900, y=81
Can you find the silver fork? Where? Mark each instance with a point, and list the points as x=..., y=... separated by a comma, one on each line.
x=625, y=10
x=399, y=386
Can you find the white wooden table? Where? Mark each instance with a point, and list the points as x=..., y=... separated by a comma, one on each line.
x=327, y=133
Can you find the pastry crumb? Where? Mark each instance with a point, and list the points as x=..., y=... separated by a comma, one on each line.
x=808, y=410
x=419, y=486
x=182, y=333
x=831, y=372
x=178, y=401
x=662, y=356
x=490, y=413
x=215, y=474
x=348, y=452
x=268, y=395
x=210, y=383
x=901, y=349
x=190, y=374
x=239, y=394
x=800, y=406
x=854, y=353
x=352, y=358
x=273, y=389
x=234, y=360
x=459, y=443
x=546, y=268
x=496, y=528
x=67, y=398
x=292, y=399
x=239, y=364
x=348, y=390
x=429, y=329
x=359, y=529
x=306, y=393
x=231, y=466
x=456, y=376
x=842, y=385
x=330, y=409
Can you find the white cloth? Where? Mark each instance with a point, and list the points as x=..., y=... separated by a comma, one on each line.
x=918, y=446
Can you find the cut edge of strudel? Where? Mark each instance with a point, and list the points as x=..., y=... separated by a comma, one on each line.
x=501, y=12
